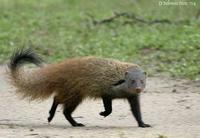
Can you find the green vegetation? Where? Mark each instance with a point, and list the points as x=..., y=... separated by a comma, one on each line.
x=161, y=136
x=59, y=29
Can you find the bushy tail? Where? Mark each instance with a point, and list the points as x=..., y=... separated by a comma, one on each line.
x=21, y=57
x=31, y=85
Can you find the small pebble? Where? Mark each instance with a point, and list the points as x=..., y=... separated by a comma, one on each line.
x=31, y=129
x=180, y=101
x=174, y=90
x=187, y=107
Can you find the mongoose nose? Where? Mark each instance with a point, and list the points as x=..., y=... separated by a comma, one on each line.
x=138, y=90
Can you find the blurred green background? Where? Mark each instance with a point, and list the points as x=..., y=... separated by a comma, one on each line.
x=60, y=29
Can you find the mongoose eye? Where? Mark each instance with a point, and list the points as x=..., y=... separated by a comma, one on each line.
x=132, y=81
x=142, y=81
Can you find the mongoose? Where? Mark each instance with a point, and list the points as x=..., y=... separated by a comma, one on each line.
x=75, y=79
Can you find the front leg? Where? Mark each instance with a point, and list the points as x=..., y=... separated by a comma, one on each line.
x=107, y=102
x=134, y=102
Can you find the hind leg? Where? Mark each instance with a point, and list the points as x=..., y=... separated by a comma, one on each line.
x=69, y=107
x=53, y=109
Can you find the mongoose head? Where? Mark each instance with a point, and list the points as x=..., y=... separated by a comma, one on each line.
x=135, y=80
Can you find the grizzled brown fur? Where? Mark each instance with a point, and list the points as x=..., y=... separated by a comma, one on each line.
x=75, y=79
x=71, y=79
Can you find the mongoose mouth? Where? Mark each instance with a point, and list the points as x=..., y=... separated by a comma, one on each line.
x=137, y=90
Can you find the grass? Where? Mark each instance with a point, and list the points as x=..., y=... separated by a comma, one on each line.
x=162, y=136
x=60, y=29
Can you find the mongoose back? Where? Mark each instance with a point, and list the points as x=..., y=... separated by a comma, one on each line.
x=75, y=79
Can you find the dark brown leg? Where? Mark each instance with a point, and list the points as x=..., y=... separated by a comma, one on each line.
x=53, y=109
x=68, y=109
x=135, y=108
x=107, y=102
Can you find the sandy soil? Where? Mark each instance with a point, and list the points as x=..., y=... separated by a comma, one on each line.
x=171, y=106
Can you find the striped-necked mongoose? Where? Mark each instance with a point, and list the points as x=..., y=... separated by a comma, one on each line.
x=73, y=80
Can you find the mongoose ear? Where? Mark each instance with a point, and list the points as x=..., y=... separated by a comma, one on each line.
x=126, y=74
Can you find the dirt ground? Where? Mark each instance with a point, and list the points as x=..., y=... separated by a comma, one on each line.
x=171, y=106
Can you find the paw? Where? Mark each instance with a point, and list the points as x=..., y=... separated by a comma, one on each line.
x=105, y=114
x=78, y=125
x=144, y=125
x=49, y=119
